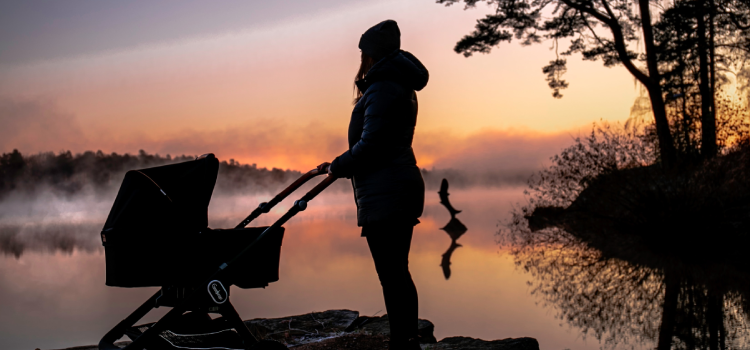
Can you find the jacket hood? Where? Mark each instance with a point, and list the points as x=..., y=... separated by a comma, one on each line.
x=400, y=67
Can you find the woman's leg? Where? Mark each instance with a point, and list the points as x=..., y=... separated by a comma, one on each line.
x=389, y=246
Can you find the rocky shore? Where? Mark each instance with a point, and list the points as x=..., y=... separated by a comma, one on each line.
x=346, y=329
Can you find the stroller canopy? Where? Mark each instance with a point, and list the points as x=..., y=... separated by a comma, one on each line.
x=174, y=196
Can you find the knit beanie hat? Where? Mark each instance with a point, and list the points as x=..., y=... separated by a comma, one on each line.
x=380, y=40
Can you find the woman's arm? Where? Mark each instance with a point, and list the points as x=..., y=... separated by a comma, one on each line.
x=375, y=145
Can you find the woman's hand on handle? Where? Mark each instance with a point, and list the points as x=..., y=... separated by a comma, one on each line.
x=325, y=167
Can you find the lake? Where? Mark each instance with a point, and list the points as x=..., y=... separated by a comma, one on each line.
x=52, y=270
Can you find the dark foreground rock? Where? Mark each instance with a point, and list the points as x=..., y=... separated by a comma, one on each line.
x=379, y=326
x=302, y=329
x=345, y=329
x=349, y=341
x=380, y=342
x=456, y=343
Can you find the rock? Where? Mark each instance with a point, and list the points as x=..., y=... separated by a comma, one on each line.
x=379, y=326
x=302, y=329
x=121, y=344
x=356, y=341
x=379, y=341
x=461, y=343
x=345, y=329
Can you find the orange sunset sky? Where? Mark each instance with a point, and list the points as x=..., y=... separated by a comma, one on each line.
x=271, y=82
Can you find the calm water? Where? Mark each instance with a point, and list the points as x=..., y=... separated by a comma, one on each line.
x=52, y=292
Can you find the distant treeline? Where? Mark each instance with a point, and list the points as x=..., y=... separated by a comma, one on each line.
x=69, y=174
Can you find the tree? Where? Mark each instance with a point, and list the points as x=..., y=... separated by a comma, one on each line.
x=578, y=20
x=607, y=30
x=615, y=272
x=701, y=43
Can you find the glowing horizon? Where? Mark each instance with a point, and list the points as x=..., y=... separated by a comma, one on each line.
x=279, y=94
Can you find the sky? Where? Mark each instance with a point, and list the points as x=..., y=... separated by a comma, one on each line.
x=270, y=82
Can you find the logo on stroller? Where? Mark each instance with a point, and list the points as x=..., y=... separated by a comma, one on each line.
x=217, y=291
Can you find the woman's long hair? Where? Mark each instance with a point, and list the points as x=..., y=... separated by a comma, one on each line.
x=364, y=67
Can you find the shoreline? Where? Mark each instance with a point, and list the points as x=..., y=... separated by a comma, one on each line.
x=334, y=329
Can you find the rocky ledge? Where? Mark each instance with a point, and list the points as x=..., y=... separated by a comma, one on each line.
x=345, y=329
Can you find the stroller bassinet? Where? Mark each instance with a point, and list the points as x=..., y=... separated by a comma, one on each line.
x=157, y=234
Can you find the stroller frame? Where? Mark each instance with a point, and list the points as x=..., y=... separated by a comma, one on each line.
x=212, y=295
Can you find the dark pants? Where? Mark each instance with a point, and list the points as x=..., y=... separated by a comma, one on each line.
x=389, y=246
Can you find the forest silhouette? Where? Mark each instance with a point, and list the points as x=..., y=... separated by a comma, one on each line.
x=638, y=233
x=631, y=253
x=69, y=174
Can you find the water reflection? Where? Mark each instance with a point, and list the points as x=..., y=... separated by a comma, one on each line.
x=49, y=237
x=455, y=229
x=54, y=299
x=626, y=296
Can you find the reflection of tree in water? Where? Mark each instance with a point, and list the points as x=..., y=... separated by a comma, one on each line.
x=65, y=237
x=611, y=300
x=455, y=229
x=618, y=302
x=635, y=289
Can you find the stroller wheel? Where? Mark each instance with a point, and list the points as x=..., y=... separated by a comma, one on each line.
x=268, y=345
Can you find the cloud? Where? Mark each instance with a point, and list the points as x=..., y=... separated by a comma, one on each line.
x=495, y=155
x=268, y=143
x=37, y=30
x=37, y=125
x=497, y=150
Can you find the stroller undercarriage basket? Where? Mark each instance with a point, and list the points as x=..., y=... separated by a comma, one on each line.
x=157, y=235
x=186, y=262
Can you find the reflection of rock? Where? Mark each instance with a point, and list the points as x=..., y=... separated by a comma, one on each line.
x=455, y=229
x=335, y=329
x=446, y=262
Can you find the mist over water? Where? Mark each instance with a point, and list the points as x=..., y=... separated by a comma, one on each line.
x=50, y=250
x=58, y=202
x=52, y=268
x=48, y=222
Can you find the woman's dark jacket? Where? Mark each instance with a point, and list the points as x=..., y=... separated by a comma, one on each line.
x=388, y=185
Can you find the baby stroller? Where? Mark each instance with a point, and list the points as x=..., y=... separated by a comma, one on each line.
x=157, y=235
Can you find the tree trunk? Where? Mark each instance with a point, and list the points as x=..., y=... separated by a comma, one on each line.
x=712, y=53
x=666, y=144
x=652, y=81
x=688, y=150
x=715, y=318
x=668, y=310
x=708, y=120
x=685, y=117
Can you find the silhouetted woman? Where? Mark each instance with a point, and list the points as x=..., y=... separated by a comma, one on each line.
x=388, y=186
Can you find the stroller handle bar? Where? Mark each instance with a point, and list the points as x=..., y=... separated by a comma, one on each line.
x=265, y=207
x=299, y=205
